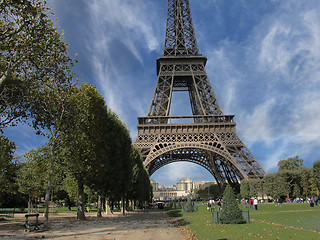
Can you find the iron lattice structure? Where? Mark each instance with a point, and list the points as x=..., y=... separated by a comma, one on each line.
x=208, y=137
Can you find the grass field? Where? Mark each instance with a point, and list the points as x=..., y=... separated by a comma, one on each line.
x=290, y=221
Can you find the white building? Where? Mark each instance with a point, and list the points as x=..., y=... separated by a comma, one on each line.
x=183, y=189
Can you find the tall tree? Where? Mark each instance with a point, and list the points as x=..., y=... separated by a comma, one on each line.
x=81, y=139
x=245, y=189
x=35, y=72
x=31, y=176
x=273, y=185
x=32, y=53
x=140, y=183
x=121, y=161
x=34, y=173
x=256, y=187
x=307, y=183
x=8, y=168
x=316, y=173
x=294, y=163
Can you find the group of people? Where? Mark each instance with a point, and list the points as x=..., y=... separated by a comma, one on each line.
x=253, y=203
x=211, y=205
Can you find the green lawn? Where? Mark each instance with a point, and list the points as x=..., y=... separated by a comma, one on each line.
x=290, y=221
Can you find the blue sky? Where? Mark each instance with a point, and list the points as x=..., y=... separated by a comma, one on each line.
x=263, y=64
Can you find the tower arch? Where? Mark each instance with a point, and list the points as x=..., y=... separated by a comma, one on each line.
x=218, y=162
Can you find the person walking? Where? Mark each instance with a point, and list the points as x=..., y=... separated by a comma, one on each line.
x=245, y=203
x=251, y=203
x=255, y=203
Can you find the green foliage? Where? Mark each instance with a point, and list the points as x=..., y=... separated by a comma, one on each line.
x=316, y=173
x=70, y=185
x=97, y=148
x=119, y=152
x=231, y=214
x=308, y=185
x=294, y=163
x=7, y=149
x=8, y=169
x=31, y=176
x=82, y=134
x=273, y=186
x=33, y=59
x=256, y=187
x=213, y=190
x=245, y=189
x=189, y=206
x=140, y=182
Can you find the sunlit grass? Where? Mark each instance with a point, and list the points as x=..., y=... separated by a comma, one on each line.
x=291, y=221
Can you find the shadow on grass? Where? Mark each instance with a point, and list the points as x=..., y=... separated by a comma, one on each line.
x=178, y=221
x=174, y=212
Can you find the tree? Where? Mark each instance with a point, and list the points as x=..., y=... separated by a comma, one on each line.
x=140, y=183
x=231, y=213
x=32, y=54
x=245, y=189
x=35, y=72
x=316, y=173
x=256, y=187
x=189, y=206
x=7, y=149
x=81, y=139
x=120, y=150
x=34, y=174
x=69, y=184
x=273, y=185
x=294, y=163
x=31, y=176
x=8, y=169
x=307, y=184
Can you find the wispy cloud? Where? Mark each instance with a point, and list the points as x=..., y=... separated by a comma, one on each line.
x=25, y=138
x=277, y=87
x=121, y=31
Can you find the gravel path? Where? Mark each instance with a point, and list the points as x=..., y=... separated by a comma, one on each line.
x=134, y=225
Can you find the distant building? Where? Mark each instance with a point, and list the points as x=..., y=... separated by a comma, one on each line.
x=184, y=188
x=154, y=185
x=185, y=184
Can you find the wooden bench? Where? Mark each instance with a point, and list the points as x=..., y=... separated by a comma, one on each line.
x=28, y=225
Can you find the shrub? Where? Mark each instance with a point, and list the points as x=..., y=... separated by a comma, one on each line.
x=189, y=206
x=231, y=213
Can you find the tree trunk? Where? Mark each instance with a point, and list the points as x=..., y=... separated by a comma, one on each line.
x=49, y=186
x=80, y=202
x=123, y=205
x=99, y=208
x=107, y=206
x=29, y=205
x=112, y=205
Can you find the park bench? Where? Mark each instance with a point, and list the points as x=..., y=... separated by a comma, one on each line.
x=35, y=224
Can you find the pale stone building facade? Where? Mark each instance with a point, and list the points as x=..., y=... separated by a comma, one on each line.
x=183, y=189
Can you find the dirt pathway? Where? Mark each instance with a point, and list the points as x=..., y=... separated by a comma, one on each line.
x=134, y=225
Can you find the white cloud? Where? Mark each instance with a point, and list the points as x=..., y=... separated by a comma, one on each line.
x=257, y=126
x=272, y=82
x=120, y=32
x=172, y=173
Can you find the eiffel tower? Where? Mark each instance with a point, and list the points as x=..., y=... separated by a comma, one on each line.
x=208, y=137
